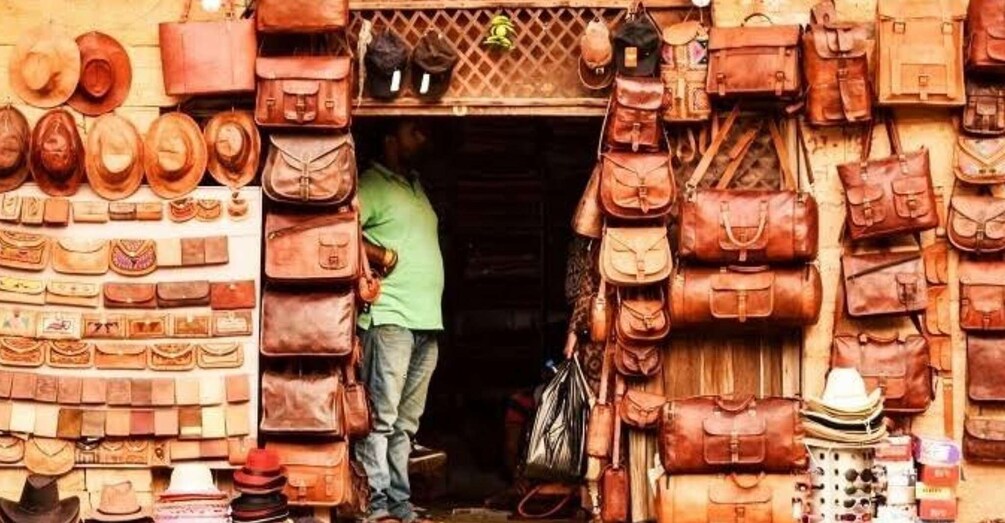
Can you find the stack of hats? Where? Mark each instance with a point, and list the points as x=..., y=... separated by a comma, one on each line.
x=192, y=497
x=260, y=481
x=119, y=504
x=40, y=503
x=846, y=413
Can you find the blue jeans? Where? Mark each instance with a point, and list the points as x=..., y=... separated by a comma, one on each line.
x=397, y=366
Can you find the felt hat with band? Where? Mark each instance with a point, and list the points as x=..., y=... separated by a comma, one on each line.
x=118, y=504
x=175, y=155
x=105, y=74
x=15, y=142
x=57, y=154
x=595, y=56
x=40, y=503
x=44, y=66
x=114, y=160
x=234, y=148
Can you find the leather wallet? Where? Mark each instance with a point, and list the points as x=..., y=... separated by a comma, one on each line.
x=6, y=409
x=182, y=450
x=70, y=390
x=141, y=423
x=46, y=388
x=94, y=391
x=214, y=422
x=46, y=420
x=104, y=327
x=22, y=418
x=238, y=388
x=212, y=250
x=165, y=422
x=10, y=208
x=142, y=392
x=22, y=352
x=90, y=212
x=59, y=325
x=122, y=211
x=70, y=423
x=232, y=295
x=213, y=449
x=238, y=423
x=6, y=381
x=119, y=392
x=57, y=212
x=120, y=356
x=23, y=386
x=118, y=423
x=212, y=390
x=231, y=323
x=149, y=211
x=32, y=210
x=186, y=391
x=129, y=295
x=190, y=422
x=168, y=252
x=238, y=450
x=191, y=325
x=160, y=453
x=147, y=326
x=92, y=424
x=162, y=392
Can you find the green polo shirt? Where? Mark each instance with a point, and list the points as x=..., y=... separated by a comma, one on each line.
x=396, y=214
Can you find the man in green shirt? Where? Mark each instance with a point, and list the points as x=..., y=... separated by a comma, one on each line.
x=399, y=332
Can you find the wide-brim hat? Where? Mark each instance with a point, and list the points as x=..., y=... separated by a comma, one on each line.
x=105, y=74
x=114, y=159
x=44, y=66
x=15, y=144
x=191, y=479
x=596, y=54
x=40, y=503
x=815, y=431
x=867, y=423
x=175, y=155
x=119, y=503
x=254, y=503
x=234, y=146
x=57, y=155
x=845, y=391
x=279, y=516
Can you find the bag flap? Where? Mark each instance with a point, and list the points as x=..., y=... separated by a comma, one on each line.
x=734, y=491
x=82, y=245
x=908, y=185
x=629, y=168
x=921, y=9
x=742, y=425
x=172, y=351
x=995, y=31
x=303, y=67
x=317, y=152
x=183, y=290
x=73, y=289
x=644, y=401
x=981, y=272
x=301, y=87
x=867, y=193
x=21, y=285
x=638, y=93
x=855, y=265
x=21, y=345
x=976, y=154
x=839, y=40
x=69, y=348
x=129, y=292
x=316, y=456
x=336, y=239
x=120, y=349
x=985, y=429
x=220, y=349
x=978, y=208
x=682, y=33
x=739, y=281
x=753, y=36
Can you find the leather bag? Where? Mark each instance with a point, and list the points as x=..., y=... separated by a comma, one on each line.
x=310, y=170
x=754, y=61
x=980, y=161
x=355, y=401
x=22, y=352
x=982, y=295
x=308, y=323
x=920, y=52
x=301, y=16
x=984, y=113
x=891, y=195
x=684, y=71
x=642, y=315
x=316, y=473
x=232, y=295
x=985, y=46
x=601, y=315
x=600, y=424
x=984, y=356
x=615, y=493
x=756, y=296
x=984, y=439
x=312, y=248
x=636, y=186
x=835, y=61
x=120, y=356
x=77, y=256
x=227, y=355
x=303, y=91
x=133, y=257
x=633, y=120
x=641, y=410
x=900, y=366
x=635, y=256
x=710, y=434
x=298, y=403
x=882, y=283
x=637, y=359
x=70, y=354
x=588, y=220
x=760, y=498
x=171, y=356
x=213, y=57
x=976, y=223
x=129, y=295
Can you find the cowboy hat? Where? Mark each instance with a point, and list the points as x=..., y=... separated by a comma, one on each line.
x=15, y=141
x=105, y=74
x=191, y=479
x=845, y=391
x=114, y=158
x=119, y=503
x=40, y=503
x=595, y=56
x=175, y=155
x=57, y=154
x=44, y=66
x=234, y=147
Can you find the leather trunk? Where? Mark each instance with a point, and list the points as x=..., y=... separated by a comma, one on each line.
x=986, y=37
x=755, y=296
x=316, y=472
x=764, y=498
x=758, y=62
x=984, y=113
x=311, y=170
x=899, y=366
x=312, y=248
x=303, y=91
x=636, y=186
x=982, y=295
x=984, y=439
x=976, y=223
x=213, y=57
x=835, y=60
x=633, y=122
x=298, y=403
x=635, y=256
x=308, y=323
x=301, y=16
x=709, y=434
x=985, y=354
x=882, y=283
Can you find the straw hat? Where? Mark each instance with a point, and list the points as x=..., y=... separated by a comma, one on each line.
x=57, y=154
x=119, y=503
x=44, y=66
x=845, y=391
x=114, y=159
x=595, y=56
x=175, y=155
x=15, y=141
x=234, y=146
x=105, y=75
x=191, y=479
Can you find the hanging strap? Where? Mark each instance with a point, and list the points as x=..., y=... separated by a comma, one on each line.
x=605, y=374
x=713, y=148
x=823, y=13
x=619, y=392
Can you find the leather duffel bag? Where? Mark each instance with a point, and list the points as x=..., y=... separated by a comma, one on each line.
x=984, y=113
x=210, y=57
x=711, y=434
x=635, y=256
x=302, y=403
x=835, y=60
x=982, y=295
x=883, y=283
x=756, y=296
x=316, y=323
x=976, y=223
x=312, y=248
x=721, y=225
x=984, y=439
x=920, y=52
x=753, y=61
x=301, y=16
x=899, y=365
x=636, y=186
x=986, y=36
x=303, y=91
x=980, y=161
x=633, y=119
x=753, y=498
x=985, y=354
x=316, y=472
x=310, y=170
x=891, y=195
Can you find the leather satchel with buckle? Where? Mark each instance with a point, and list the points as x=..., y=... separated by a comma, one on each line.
x=984, y=113
x=310, y=170
x=900, y=366
x=303, y=91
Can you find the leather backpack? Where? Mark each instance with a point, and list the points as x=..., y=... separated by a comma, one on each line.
x=684, y=72
x=980, y=161
x=900, y=366
x=976, y=223
x=835, y=61
x=982, y=295
x=720, y=225
x=984, y=113
x=717, y=434
x=753, y=498
x=920, y=52
x=882, y=283
x=986, y=36
x=303, y=91
x=754, y=61
x=635, y=256
x=633, y=118
x=636, y=186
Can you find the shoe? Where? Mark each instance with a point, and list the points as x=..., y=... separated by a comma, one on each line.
x=426, y=456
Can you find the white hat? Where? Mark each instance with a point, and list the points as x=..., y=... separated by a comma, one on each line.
x=191, y=479
x=846, y=392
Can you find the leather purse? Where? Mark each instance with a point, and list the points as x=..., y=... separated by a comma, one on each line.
x=635, y=256
x=232, y=323
x=64, y=354
x=238, y=448
x=982, y=295
x=312, y=248
x=133, y=257
x=171, y=356
x=184, y=450
x=80, y=256
x=751, y=61
x=10, y=208
x=150, y=211
x=615, y=492
x=118, y=423
x=32, y=210
x=984, y=113
x=709, y=434
x=316, y=472
x=684, y=72
x=104, y=326
x=985, y=40
x=237, y=420
x=22, y=418
x=637, y=360
x=836, y=66
x=588, y=220
x=899, y=366
x=232, y=295
x=756, y=296
x=601, y=315
x=22, y=386
x=301, y=16
x=297, y=403
x=46, y=388
x=228, y=355
x=69, y=423
x=70, y=390
x=214, y=422
x=980, y=161
x=212, y=390
x=200, y=252
x=6, y=383
x=891, y=195
x=920, y=52
x=984, y=355
x=182, y=294
x=636, y=186
x=94, y=391
x=90, y=212
x=142, y=392
x=190, y=325
x=187, y=391
x=238, y=389
x=213, y=57
x=310, y=170
x=24, y=251
x=166, y=423
x=11, y=450
x=92, y=424
x=633, y=119
x=976, y=223
x=75, y=294
x=880, y=283
x=122, y=211
x=147, y=326
x=129, y=295
x=59, y=325
x=120, y=356
x=355, y=400
x=18, y=322
x=190, y=422
x=22, y=352
x=168, y=252
x=290, y=325
x=25, y=291
x=642, y=315
x=720, y=225
x=162, y=392
x=760, y=498
x=641, y=410
x=600, y=424
x=46, y=420
x=303, y=91
x=119, y=392
x=984, y=439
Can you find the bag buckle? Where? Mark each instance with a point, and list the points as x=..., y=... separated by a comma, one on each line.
x=947, y=27
x=741, y=305
x=913, y=206
x=301, y=107
x=643, y=195
x=636, y=134
x=640, y=268
x=305, y=179
x=741, y=513
x=899, y=27
x=986, y=320
x=720, y=82
x=734, y=447
x=270, y=104
x=908, y=291
x=924, y=80
x=779, y=82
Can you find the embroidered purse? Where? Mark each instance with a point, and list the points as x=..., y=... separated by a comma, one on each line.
x=22, y=250
x=133, y=257
x=80, y=256
x=17, y=322
x=104, y=326
x=980, y=161
x=59, y=325
x=147, y=326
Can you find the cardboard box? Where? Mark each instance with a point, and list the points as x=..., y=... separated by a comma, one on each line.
x=894, y=448
x=936, y=476
x=923, y=491
x=939, y=510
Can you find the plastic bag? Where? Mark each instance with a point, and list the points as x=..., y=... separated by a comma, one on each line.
x=555, y=451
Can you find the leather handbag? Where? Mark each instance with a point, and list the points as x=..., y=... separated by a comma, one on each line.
x=984, y=439
x=172, y=295
x=133, y=257
x=641, y=410
x=49, y=457
x=301, y=16
x=24, y=251
x=982, y=295
x=316, y=472
x=721, y=225
x=985, y=352
x=891, y=195
x=900, y=366
x=836, y=65
x=684, y=72
x=588, y=220
x=642, y=315
x=710, y=434
x=979, y=161
x=754, y=61
x=237, y=388
x=232, y=295
x=129, y=295
x=976, y=223
x=637, y=359
x=355, y=401
x=600, y=424
x=22, y=352
x=635, y=256
x=920, y=52
x=756, y=296
x=120, y=356
x=303, y=91
x=80, y=256
x=300, y=403
x=615, y=492
x=25, y=291
x=636, y=186
x=984, y=113
x=985, y=42
x=213, y=57
x=633, y=119
x=308, y=323
x=754, y=498
x=882, y=283
x=312, y=248
x=310, y=170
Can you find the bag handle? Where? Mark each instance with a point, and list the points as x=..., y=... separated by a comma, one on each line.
x=892, y=134
x=758, y=14
x=823, y=13
x=521, y=508
x=746, y=481
x=735, y=403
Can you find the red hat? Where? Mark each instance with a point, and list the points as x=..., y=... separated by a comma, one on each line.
x=262, y=468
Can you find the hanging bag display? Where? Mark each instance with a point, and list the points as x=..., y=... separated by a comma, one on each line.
x=633, y=121
x=900, y=366
x=754, y=61
x=303, y=91
x=984, y=113
x=835, y=60
x=301, y=16
x=982, y=295
x=684, y=72
x=637, y=43
x=986, y=36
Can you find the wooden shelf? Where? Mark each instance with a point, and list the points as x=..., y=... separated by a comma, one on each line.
x=406, y=5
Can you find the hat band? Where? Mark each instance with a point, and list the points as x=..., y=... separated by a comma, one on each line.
x=263, y=474
x=131, y=512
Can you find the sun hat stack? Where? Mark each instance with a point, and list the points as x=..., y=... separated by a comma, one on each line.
x=260, y=481
x=192, y=497
x=845, y=413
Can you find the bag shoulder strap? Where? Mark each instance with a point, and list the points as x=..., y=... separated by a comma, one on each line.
x=605, y=374
x=713, y=149
x=823, y=13
x=788, y=181
x=619, y=392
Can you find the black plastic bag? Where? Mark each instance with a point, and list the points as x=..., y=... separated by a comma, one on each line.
x=555, y=451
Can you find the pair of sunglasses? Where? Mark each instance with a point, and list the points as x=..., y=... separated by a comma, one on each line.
x=866, y=475
x=864, y=502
